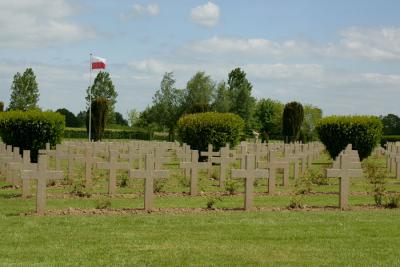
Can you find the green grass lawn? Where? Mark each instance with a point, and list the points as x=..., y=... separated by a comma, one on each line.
x=236, y=238
x=181, y=232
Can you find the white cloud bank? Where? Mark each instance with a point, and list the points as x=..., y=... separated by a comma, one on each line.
x=33, y=23
x=206, y=15
x=371, y=44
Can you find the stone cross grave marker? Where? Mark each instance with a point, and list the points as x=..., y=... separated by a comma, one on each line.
x=193, y=168
x=160, y=158
x=132, y=155
x=72, y=158
x=112, y=166
x=209, y=154
x=184, y=155
x=41, y=175
x=25, y=164
x=14, y=157
x=224, y=161
x=347, y=169
x=148, y=174
x=60, y=155
x=271, y=165
x=89, y=161
x=250, y=173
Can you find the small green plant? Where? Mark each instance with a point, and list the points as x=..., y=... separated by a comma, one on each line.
x=303, y=185
x=375, y=176
x=212, y=201
x=296, y=201
x=78, y=189
x=103, y=203
x=316, y=176
x=231, y=186
x=159, y=185
x=184, y=181
x=392, y=201
x=124, y=181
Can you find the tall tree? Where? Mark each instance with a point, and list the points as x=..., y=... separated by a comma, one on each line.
x=70, y=119
x=119, y=119
x=103, y=87
x=133, y=117
x=222, y=101
x=242, y=102
x=199, y=93
x=82, y=117
x=24, y=91
x=268, y=118
x=167, y=105
x=1, y=106
x=293, y=116
x=312, y=115
x=391, y=124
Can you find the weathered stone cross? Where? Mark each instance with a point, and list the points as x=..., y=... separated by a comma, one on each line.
x=148, y=174
x=250, y=173
x=209, y=154
x=193, y=168
x=41, y=175
x=347, y=169
x=224, y=161
x=112, y=166
x=24, y=165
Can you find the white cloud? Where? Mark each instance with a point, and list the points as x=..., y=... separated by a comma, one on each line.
x=250, y=46
x=139, y=11
x=206, y=15
x=371, y=44
x=33, y=23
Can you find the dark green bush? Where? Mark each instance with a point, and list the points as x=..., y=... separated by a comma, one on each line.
x=389, y=138
x=363, y=132
x=200, y=129
x=1, y=106
x=31, y=129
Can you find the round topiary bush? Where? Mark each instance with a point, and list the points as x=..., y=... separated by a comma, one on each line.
x=31, y=129
x=200, y=129
x=363, y=132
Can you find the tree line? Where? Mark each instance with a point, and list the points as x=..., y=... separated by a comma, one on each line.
x=201, y=94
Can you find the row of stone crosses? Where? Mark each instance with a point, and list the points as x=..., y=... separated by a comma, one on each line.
x=257, y=160
x=392, y=153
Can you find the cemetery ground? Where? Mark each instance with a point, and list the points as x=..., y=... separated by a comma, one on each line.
x=86, y=227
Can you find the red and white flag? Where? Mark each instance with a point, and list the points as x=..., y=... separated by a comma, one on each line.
x=98, y=63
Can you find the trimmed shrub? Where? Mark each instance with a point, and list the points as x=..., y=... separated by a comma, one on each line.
x=292, y=119
x=31, y=129
x=363, y=132
x=389, y=138
x=200, y=129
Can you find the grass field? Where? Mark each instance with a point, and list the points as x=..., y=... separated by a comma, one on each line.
x=183, y=232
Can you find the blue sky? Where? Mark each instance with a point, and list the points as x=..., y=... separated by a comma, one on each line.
x=342, y=56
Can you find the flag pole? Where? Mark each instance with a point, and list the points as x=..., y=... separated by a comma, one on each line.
x=90, y=99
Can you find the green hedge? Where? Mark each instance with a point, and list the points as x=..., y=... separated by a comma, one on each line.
x=389, y=138
x=200, y=129
x=140, y=134
x=31, y=129
x=363, y=132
